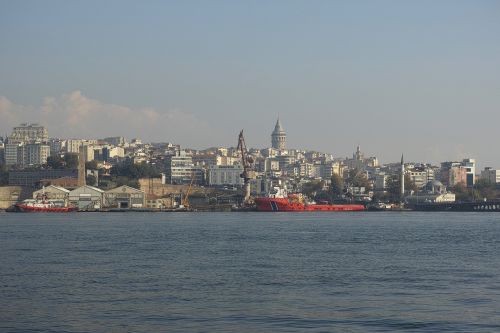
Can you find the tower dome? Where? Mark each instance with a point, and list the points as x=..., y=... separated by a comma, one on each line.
x=278, y=137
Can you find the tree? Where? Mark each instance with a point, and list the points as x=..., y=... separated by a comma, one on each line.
x=310, y=189
x=55, y=162
x=4, y=175
x=91, y=180
x=91, y=165
x=394, y=186
x=71, y=160
x=336, y=185
x=357, y=178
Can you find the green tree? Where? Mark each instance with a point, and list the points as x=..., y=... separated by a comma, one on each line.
x=71, y=160
x=91, y=165
x=336, y=186
x=55, y=162
x=4, y=175
x=394, y=186
x=91, y=180
x=310, y=189
x=357, y=178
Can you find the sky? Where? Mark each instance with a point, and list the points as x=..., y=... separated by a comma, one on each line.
x=415, y=77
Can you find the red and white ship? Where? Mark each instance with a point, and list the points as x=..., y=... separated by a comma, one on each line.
x=44, y=205
x=281, y=202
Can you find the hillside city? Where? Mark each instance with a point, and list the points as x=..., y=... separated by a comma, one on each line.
x=161, y=173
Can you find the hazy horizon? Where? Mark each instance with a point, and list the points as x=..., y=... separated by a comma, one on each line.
x=421, y=78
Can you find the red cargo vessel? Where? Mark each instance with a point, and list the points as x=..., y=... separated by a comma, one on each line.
x=296, y=203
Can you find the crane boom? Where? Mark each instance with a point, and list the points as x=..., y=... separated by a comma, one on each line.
x=247, y=163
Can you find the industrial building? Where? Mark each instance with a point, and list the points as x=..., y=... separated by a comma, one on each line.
x=124, y=197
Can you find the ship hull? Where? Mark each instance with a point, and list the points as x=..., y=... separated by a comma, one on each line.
x=30, y=209
x=285, y=205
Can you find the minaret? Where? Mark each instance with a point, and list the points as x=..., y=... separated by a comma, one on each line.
x=278, y=137
x=402, y=176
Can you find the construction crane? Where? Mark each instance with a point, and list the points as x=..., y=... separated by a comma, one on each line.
x=185, y=200
x=248, y=172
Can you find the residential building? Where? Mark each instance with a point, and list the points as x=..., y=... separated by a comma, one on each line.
x=29, y=133
x=115, y=140
x=179, y=169
x=73, y=145
x=490, y=175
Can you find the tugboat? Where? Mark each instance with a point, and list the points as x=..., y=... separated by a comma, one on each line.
x=41, y=204
x=282, y=202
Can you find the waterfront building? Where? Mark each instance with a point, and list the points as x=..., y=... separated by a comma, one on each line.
x=278, y=137
x=124, y=197
x=86, y=198
x=225, y=175
x=53, y=192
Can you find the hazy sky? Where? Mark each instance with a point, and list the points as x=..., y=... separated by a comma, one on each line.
x=419, y=77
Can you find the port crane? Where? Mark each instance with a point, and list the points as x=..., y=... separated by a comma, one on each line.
x=185, y=200
x=248, y=171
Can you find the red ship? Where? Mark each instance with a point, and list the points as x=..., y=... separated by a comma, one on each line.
x=296, y=203
x=42, y=208
x=43, y=205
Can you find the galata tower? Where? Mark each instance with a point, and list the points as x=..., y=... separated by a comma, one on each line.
x=278, y=137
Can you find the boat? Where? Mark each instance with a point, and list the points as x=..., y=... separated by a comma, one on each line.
x=43, y=205
x=282, y=202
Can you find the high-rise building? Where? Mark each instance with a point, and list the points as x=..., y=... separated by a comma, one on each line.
x=278, y=137
x=29, y=133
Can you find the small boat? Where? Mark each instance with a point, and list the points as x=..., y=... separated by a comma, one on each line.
x=281, y=202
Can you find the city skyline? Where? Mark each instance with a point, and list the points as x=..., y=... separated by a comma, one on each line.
x=419, y=78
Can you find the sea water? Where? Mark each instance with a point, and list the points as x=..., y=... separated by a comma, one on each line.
x=250, y=272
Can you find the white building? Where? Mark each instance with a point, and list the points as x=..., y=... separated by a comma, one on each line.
x=225, y=175
x=29, y=133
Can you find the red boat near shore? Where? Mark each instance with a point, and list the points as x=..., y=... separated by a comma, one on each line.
x=42, y=205
x=42, y=208
x=296, y=203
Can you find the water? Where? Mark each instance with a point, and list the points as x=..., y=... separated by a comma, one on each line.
x=250, y=272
